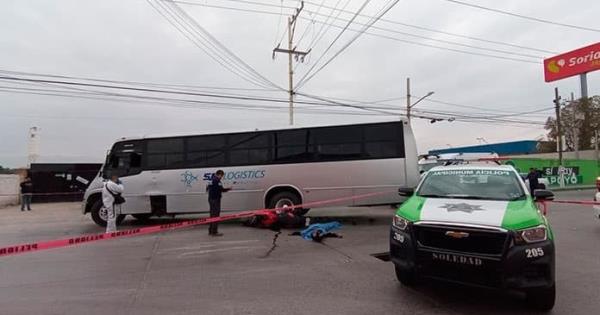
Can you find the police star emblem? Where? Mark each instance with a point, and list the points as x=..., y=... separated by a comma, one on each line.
x=462, y=207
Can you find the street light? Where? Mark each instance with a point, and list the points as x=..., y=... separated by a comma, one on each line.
x=408, y=107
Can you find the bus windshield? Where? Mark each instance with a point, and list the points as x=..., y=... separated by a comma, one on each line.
x=124, y=159
x=472, y=184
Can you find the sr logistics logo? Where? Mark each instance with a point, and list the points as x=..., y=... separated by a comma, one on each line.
x=235, y=175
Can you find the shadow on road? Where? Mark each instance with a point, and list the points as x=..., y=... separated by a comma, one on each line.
x=473, y=300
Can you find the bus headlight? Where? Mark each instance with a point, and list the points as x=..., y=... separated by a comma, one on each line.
x=531, y=235
x=400, y=223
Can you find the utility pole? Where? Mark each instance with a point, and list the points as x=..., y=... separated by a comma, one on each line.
x=291, y=50
x=558, y=127
x=575, y=126
x=408, y=99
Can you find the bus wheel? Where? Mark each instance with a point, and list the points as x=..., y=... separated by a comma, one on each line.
x=99, y=214
x=289, y=199
x=142, y=216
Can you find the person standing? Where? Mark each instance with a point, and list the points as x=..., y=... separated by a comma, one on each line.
x=26, y=193
x=215, y=192
x=112, y=200
x=533, y=177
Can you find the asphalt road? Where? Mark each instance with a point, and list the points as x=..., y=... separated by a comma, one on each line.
x=186, y=272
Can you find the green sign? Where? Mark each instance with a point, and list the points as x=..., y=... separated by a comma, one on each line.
x=571, y=173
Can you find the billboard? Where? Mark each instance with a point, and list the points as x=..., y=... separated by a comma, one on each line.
x=572, y=63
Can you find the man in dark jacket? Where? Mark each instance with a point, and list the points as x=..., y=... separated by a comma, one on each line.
x=533, y=179
x=26, y=193
x=215, y=192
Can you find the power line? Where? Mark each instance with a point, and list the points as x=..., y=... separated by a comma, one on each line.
x=183, y=30
x=382, y=36
x=175, y=86
x=382, y=12
x=477, y=118
x=345, y=105
x=210, y=45
x=434, y=39
x=279, y=23
x=161, y=101
x=183, y=103
x=308, y=27
x=162, y=91
x=485, y=40
x=323, y=30
x=447, y=48
x=464, y=106
x=447, y=41
x=327, y=101
x=334, y=41
x=222, y=49
x=524, y=16
x=447, y=33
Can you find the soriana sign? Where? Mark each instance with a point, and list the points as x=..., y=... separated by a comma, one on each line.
x=575, y=62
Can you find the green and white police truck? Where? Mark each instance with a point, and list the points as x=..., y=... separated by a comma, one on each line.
x=475, y=225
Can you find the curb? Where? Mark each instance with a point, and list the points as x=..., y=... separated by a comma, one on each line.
x=567, y=188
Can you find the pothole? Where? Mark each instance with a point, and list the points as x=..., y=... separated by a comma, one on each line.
x=385, y=256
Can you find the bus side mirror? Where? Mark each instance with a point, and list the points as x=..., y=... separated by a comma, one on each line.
x=406, y=191
x=542, y=194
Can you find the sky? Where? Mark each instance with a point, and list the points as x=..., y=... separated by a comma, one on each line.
x=128, y=40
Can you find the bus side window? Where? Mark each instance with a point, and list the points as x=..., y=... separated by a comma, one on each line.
x=135, y=160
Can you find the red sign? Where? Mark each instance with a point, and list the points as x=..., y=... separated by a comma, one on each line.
x=575, y=62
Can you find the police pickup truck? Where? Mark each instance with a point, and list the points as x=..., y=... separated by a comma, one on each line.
x=475, y=225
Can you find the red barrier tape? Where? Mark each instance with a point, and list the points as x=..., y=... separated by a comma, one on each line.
x=544, y=203
x=576, y=202
x=45, y=194
x=37, y=246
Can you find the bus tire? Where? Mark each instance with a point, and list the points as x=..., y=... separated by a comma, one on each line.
x=99, y=217
x=286, y=198
x=143, y=217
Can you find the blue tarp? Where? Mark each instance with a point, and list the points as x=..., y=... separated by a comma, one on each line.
x=324, y=228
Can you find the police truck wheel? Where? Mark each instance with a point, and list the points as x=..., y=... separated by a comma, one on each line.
x=406, y=277
x=99, y=214
x=286, y=198
x=542, y=299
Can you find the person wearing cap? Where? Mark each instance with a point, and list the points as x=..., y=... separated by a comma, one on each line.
x=215, y=192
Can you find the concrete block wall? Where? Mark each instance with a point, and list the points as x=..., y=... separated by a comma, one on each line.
x=9, y=190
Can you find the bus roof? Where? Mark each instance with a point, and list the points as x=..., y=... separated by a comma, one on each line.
x=232, y=131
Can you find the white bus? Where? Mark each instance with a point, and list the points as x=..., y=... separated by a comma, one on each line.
x=269, y=168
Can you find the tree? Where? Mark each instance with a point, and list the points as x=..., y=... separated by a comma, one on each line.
x=581, y=118
x=4, y=170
